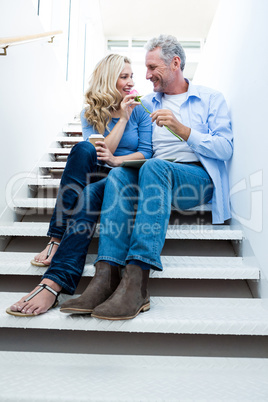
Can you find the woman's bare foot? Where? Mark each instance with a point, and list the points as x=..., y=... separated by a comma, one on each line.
x=43, y=258
x=40, y=303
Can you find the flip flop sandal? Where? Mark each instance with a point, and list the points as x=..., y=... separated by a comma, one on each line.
x=41, y=264
x=42, y=287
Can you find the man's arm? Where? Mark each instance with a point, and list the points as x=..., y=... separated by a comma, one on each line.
x=213, y=139
x=165, y=117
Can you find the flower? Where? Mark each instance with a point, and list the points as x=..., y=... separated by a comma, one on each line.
x=138, y=99
x=133, y=92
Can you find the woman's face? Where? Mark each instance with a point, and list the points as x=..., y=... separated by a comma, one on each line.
x=125, y=80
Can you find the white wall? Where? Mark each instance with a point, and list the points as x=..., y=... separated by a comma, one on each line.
x=42, y=84
x=94, y=41
x=235, y=61
x=34, y=100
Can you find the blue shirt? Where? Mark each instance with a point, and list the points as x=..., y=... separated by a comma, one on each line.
x=205, y=112
x=137, y=136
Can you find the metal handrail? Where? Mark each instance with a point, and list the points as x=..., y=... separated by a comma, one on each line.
x=18, y=40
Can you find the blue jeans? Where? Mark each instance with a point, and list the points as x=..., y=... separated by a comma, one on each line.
x=80, y=170
x=154, y=188
x=75, y=215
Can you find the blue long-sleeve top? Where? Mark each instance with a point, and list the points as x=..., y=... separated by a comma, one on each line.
x=211, y=139
x=137, y=136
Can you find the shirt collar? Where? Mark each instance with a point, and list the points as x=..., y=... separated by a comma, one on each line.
x=192, y=91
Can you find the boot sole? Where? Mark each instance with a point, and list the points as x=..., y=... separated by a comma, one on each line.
x=75, y=311
x=143, y=308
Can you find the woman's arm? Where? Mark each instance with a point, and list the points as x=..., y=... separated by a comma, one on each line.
x=105, y=155
x=143, y=133
x=87, y=129
x=114, y=137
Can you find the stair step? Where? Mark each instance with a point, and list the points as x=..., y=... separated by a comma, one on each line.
x=59, y=151
x=81, y=377
x=69, y=139
x=193, y=232
x=50, y=202
x=43, y=181
x=72, y=128
x=47, y=181
x=175, y=267
x=173, y=315
x=52, y=164
x=34, y=202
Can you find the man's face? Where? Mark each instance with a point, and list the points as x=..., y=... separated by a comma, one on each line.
x=158, y=72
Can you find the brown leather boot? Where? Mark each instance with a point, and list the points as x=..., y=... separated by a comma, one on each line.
x=102, y=285
x=130, y=298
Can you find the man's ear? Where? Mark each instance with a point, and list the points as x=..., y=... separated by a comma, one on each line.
x=176, y=63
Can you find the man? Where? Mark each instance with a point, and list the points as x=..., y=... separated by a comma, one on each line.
x=196, y=175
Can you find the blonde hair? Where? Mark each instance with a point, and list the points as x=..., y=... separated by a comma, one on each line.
x=102, y=96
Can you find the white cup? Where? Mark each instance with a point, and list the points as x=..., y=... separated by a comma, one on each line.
x=95, y=137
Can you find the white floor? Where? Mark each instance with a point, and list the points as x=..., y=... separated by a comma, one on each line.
x=71, y=377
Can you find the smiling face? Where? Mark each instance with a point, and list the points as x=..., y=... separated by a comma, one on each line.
x=160, y=74
x=125, y=80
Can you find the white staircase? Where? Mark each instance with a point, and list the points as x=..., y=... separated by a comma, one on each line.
x=204, y=338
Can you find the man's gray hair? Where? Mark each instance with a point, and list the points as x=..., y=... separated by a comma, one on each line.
x=170, y=47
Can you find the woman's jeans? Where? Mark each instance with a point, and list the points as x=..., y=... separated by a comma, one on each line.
x=153, y=189
x=75, y=215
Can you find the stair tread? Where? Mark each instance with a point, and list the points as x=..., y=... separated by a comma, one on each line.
x=35, y=202
x=180, y=267
x=180, y=315
x=131, y=378
x=59, y=151
x=197, y=232
x=43, y=181
x=69, y=139
x=52, y=164
x=50, y=202
x=72, y=128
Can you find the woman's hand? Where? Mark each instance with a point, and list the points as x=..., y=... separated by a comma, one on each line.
x=105, y=155
x=126, y=106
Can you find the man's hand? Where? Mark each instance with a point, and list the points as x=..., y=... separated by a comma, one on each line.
x=165, y=117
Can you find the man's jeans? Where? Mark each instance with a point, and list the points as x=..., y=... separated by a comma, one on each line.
x=155, y=187
x=75, y=215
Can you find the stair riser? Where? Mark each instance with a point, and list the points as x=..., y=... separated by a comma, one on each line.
x=54, y=341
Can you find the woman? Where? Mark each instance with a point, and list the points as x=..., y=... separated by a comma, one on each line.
x=111, y=111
